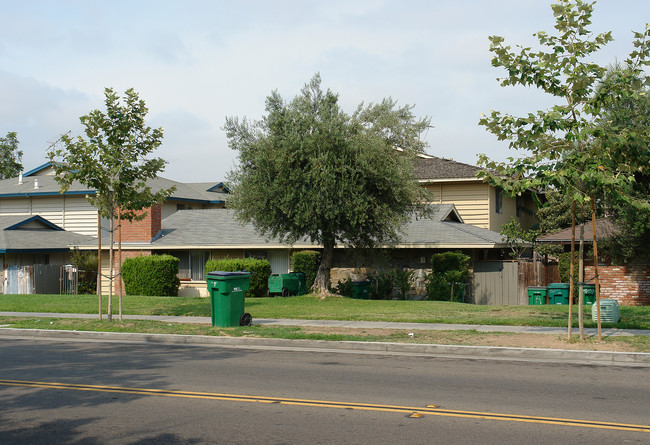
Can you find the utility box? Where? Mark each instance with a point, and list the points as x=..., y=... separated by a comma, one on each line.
x=537, y=295
x=286, y=284
x=227, y=290
x=609, y=311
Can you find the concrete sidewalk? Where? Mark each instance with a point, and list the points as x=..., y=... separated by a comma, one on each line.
x=581, y=357
x=349, y=324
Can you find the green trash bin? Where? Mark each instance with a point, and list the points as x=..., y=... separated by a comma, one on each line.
x=285, y=284
x=361, y=290
x=227, y=291
x=589, y=294
x=558, y=293
x=537, y=295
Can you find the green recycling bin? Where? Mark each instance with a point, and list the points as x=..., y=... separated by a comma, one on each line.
x=361, y=290
x=537, y=295
x=558, y=293
x=589, y=294
x=227, y=291
x=285, y=284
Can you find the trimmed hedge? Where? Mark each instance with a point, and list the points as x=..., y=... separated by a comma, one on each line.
x=449, y=269
x=154, y=276
x=306, y=262
x=260, y=272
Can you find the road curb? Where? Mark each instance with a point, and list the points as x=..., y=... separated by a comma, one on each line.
x=458, y=351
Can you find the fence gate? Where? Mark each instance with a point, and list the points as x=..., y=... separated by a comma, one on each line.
x=496, y=282
x=41, y=279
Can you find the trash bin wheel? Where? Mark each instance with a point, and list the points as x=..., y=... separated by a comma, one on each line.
x=246, y=319
x=285, y=292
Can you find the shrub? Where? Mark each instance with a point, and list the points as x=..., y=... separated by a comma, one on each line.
x=86, y=262
x=307, y=262
x=154, y=275
x=344, y=288
x=260, y=272
x=450, y=273
x=386, y=284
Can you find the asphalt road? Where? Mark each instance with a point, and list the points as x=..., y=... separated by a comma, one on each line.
x=57, y=391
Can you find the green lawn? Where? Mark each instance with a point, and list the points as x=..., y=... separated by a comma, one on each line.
x=333, y=308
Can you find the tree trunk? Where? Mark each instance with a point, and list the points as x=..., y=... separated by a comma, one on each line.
x=111, y=266
x=322, y=281
x=572, y=267
x=99, y=262
x=581, y=280
x=119, y=263
x=596, y=280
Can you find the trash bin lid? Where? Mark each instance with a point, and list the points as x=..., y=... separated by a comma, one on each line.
x=219, y=273
x=558, y=286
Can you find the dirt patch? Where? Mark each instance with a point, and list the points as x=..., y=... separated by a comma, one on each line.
x=473, y=338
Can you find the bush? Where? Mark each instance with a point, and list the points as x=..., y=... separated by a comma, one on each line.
x=344, y=288
x=154, y=275
x=386, y=284
x=450, y=274
x=307, y=262
x=86, y=262
x=260, y=272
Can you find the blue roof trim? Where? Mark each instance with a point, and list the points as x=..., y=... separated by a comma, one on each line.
x=34, y=218
x=221, y=184
x=58, y=249
x=203, y=201
x=38, y=169
x=25, y=195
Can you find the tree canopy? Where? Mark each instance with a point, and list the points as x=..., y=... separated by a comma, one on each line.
x=10, y=156
x=308, y=169
x=573, y=147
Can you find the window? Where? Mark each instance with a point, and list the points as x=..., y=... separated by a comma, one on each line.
x=191, y=265
x=518, y=205
x=498, y=200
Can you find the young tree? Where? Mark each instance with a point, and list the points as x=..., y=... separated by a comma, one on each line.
x=10, y=156
x=565, y=146
x=112, y=160
x=307, y=169
x=517, y=238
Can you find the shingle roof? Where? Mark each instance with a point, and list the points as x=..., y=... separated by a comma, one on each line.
x=212, y=228
x=604, y=229
x=217, y=228
x=47, y=186
x=441, y=168
x=40, y=236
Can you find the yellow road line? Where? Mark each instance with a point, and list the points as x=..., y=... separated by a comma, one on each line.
x=414, y=412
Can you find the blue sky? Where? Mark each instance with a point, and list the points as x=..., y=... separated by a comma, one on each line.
x=196, y=62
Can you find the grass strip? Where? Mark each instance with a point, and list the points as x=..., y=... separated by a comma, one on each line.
x=333, y=308
x=451, y=337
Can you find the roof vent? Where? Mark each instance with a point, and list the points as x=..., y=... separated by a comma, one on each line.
x=20, y=178
x=36, y=186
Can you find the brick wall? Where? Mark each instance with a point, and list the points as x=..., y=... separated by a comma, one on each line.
x=629, y=285
x=144, y=230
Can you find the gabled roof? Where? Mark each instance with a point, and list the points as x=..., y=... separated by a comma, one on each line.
x=33, y=184
x=213, y=228
x=35, y=234
x=604, y=229
x=444, y=231
x=218, y=229
x=435, y=168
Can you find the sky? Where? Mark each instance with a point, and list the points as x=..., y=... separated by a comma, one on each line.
x=196, y=62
